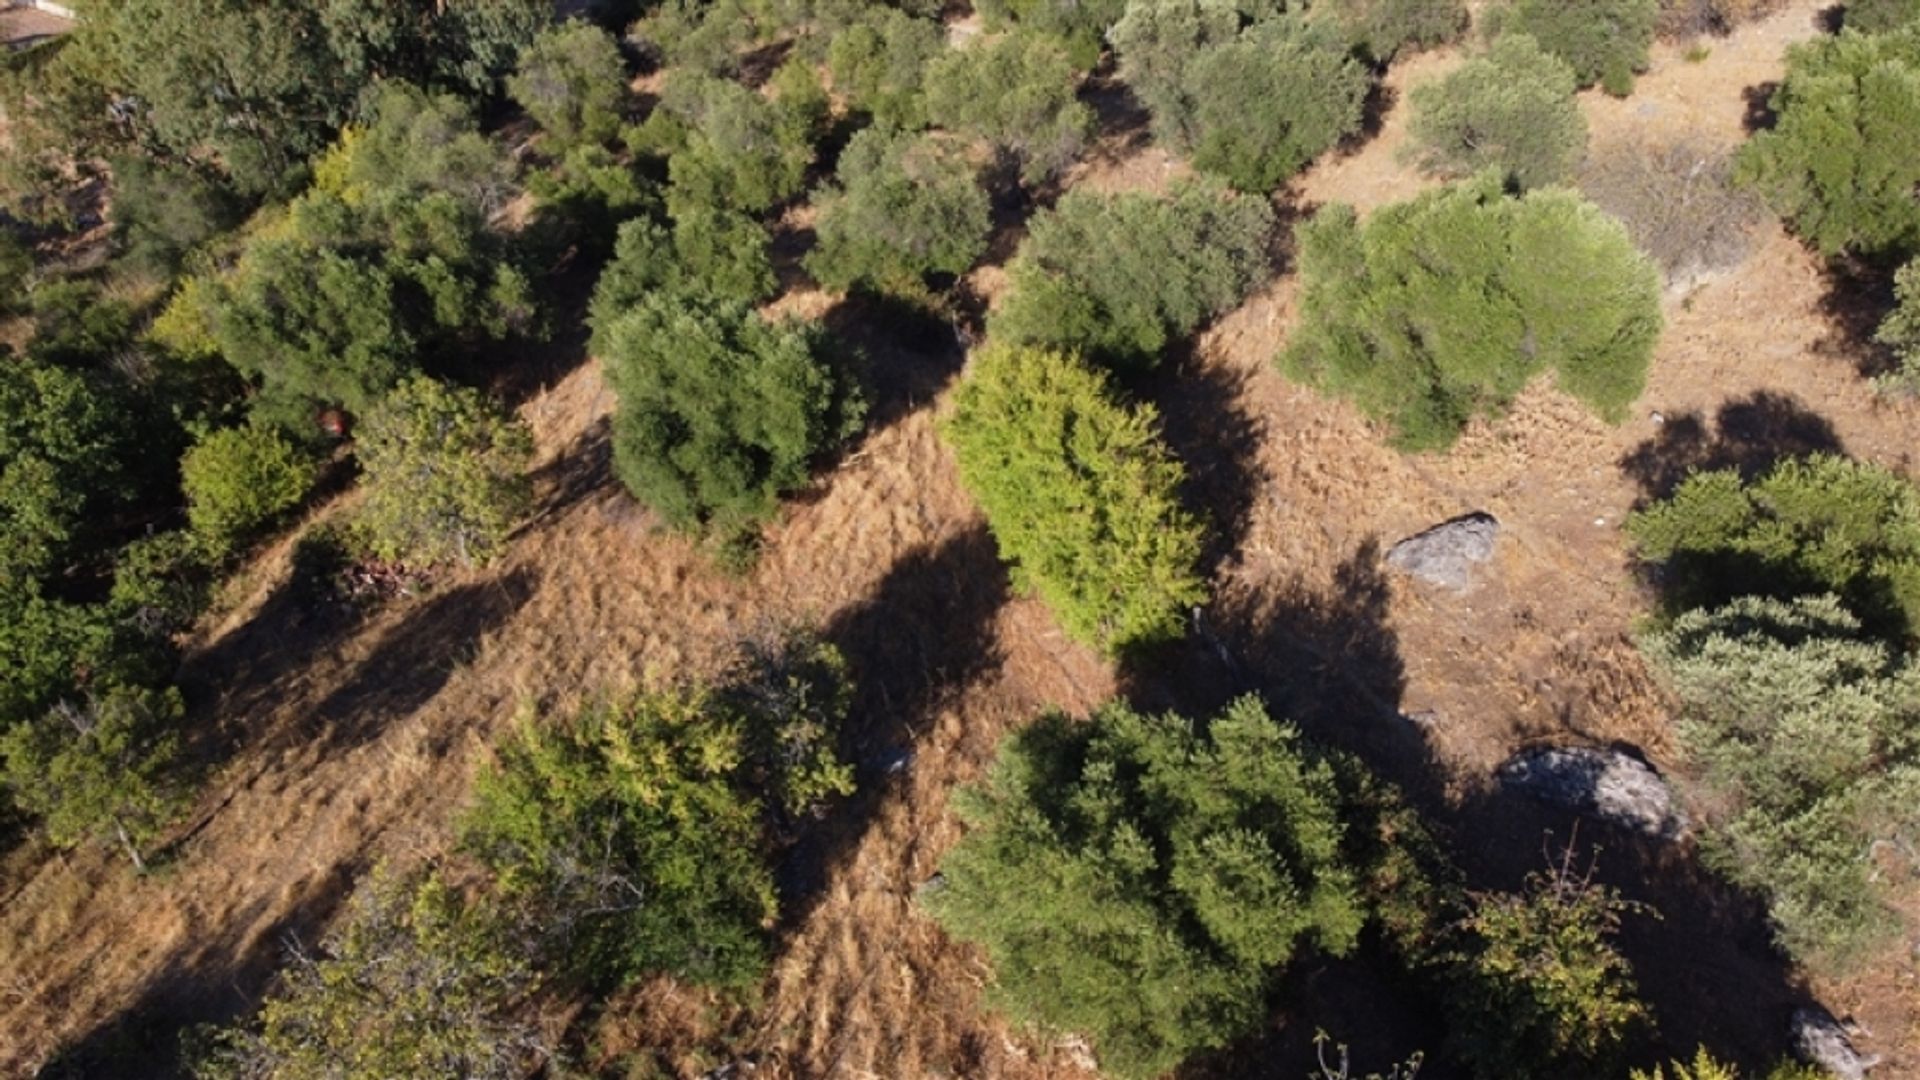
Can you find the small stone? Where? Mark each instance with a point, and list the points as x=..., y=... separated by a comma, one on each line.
x=1600, y=522
x=1605, y=784
x=1820, y=1040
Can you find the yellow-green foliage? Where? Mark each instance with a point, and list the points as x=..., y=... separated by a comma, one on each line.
x=239, y=480
x=1080, y=494
x=1703, y=1067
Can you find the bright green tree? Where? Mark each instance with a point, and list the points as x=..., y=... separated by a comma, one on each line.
x=1839, y=163
x=444, y=472
x=1604, y=41
x=1016, y=94
x=1080, y=494
x=1143, y=880
x=1119, y=276
x=572, y=81
x=239, y=480
x=1282, y=93
x=1444, y=307
x=1511, y=109
x=905, y=206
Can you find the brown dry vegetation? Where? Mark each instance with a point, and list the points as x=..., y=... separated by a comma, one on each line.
x=353, y=740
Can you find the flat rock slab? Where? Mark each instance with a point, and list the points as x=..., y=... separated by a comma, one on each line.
x=1447, y=554
x=1820, y=1040
x=1604, y=784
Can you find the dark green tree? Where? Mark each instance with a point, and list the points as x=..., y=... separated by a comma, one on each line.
x=161, y=212
x=905, y=206
x=64, y=447
x=572, y=81
x=1604, y=41
x=727, y=147
x=880, y=63
x=1016, y=94
x=716, y=254
x=1279, y=95
x=1880, y=16
x=1511, y=109
x=1158, y=41
x=1383, y=28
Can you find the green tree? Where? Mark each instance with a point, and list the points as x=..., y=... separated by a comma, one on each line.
x=572, y=81
x=1080, y=494
x=1143, y=880
x=1015, y=93
x=1900, y=331
x=1703, y=1067
x=879, y=65
x=1279, y=95
x=1079, y=24
x=1157, y=41
x=444, y=473
x=105, y=767
x=1444, y=307
x=1838, y=164
x=905, y=206
x=1539, y=988
x=1604, y=41
x=1813, y=525
x=64, y=447
x=712, y=254
x=1801, y=727
x=1511, y=109
x=412, y=980
x=239, y=480
x=161, y=212
x=1118, y=276
x=720, y=411
x=1382, y=28
x=1880, y=16
x=727, y=147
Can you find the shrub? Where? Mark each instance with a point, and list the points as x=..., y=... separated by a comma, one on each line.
x=879, y=65
x=64, y=456
x=1901, y=331
x=238, y=481
x=1802, y=730
x=906, y=206
x=1539, y=988
x=1838, y=163
x=162, y=212
x=1678, y=202
x=1142, y=880
x=727, y=147
x=1017, y=95
x=632, y=831
x=720, y=411
x=162, y=582
x=1119, y=275
x=1080, y=24
x=1382, y=28
x=412, y=980
x=715, y=255
x=444, y=473
x=1511, y=109
x=105, y=767
x=1604, y=41
x=1080, y=494
x=1279, y=95
x=1880, y=16
x=1821, y=524
x=572, y=81
x=1444, y=307
x=1703, y=1067
x=1157, y=41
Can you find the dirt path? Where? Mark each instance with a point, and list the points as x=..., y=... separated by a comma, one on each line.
x=366, y=750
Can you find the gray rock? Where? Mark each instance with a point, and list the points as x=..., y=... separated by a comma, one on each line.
x=1603, y=784
x=1820, y=1040
x=1446, y=554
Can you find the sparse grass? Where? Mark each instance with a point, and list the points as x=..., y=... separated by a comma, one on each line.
x=1677, y=202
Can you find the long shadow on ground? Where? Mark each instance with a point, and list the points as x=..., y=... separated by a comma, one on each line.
x=1749, y=434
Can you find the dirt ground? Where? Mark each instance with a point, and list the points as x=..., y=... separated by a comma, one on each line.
x=351, y=740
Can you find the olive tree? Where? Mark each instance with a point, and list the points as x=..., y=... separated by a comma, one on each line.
x=1016, y=94
x=1604, y=41
x=572, y=81
x=1511, y=109
x=905, y=206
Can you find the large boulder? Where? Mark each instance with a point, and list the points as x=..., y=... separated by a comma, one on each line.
x=1447, y=554
x=1605, y=784
x=1820, y=1040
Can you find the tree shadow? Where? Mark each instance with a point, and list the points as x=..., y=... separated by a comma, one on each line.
x=1379, y=101
x=927, y=632
x=909, y=352
x=1123, y=125
x=584, y=467
x=1205, y=423
x=1749, y=434
x=1857, y=297
x=1759, y=115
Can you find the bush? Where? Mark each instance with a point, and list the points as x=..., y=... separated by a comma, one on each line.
x=1080, y=494
x=1539, y=988
x=1382, y=28
x=1273, y=99
x=906, y=206
x=444, y=473
x=1604, y=41
x=572, y=81
x=1080, y=24
x=1157, y=42
x=1901, y=332
x=1678, y=202
x=727, y=147
x=1142, y=880
x=162, y=212
x=162, y=582
x=716, y=255
x=1880, y=16
x=1703, y=1067
x=1802, y=730
x=1511, y=109
x=1822, y=524
x=64, y=464
x=1015, y=94
x=239, y=481
x=1838, y=164
x=1443, y=307
x=632, y=833
x=879, y=65
x=411, y=981
x=720, y=411
x=1119, y=275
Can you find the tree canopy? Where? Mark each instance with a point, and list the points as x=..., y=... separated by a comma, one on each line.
x=1015, y=94
x=1604, y=41
x=904, y=206
x=1510, y=109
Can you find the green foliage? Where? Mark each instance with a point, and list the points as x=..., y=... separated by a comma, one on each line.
x=1079, y=24
x=1822, y=524
x=104, y=768
x=238, y=481
x=1279, y=95
x=1900, y=331
x=727, y=147
x=63, y=451
x=1015, y=93
x=413, y=980
x=905, y=206
x=1539, y=988
x=1880, y=16
x=1604, y=41
x=1142, y=880
x=589, y=193
x=1443, y=307
x=714, y=255
x=1703, y=1067
x=572, y=81
x=1382, y=28
x=1118, y=276
x=1511, y=109
x=1080, y=494
x=720, y=411
x=162, y=582
x=633, y=831
x=879, y=65
x=161, y=212
x=1806, y=734
x=444, y=473
x=1157, y=41
x=75, y=326
x=1838, y=164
